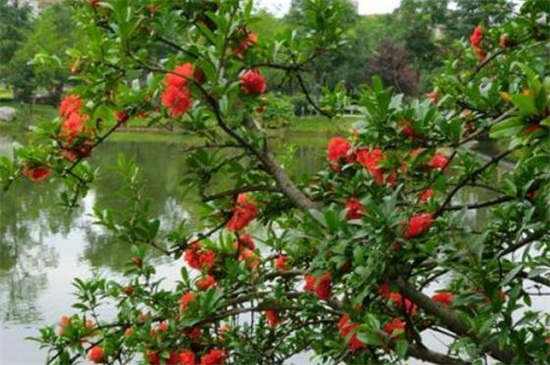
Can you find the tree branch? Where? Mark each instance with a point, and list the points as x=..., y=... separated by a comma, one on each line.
x=451, y=320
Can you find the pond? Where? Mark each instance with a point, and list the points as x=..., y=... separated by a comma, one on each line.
x=44, y=246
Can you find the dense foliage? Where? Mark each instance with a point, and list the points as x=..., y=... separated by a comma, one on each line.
x=357, y=264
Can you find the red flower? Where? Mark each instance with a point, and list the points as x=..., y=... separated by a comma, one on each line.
x=475, y=41
x=320, y=286
x=191, y=257
x=243, y=213
x=347, y=330
x=338, y=150
x=177, y=100
x=174, y=359
x=354, y=209
x=310, y=282
x=433, y=96
x=250, y=258
x=206, y=282
x=73, y=126
x=438, y=161
x=194, y=333
x=187, y=357
x=384, y=290
x=427, y=194
x=444, y=298
x=480, y=54
x=476, y=36
x=248, y=40
x=397, y=299
x=530, y=129
x=93, y=2
x=65, y=321
x=207, y=260
x=371, y=160
x=214, y=357
x=253, y=82
x=407, y=130
x=96, y=354
x=272, y=318
x=152, y=8
x=153, y=358
x=37, y=173
x=70, y=104
x=121, y=116
x=418, y=224
x=179, y=75
x=186, y=299
x=504, y=42
x=394, y=325
x=280, y=262
x=245, y=241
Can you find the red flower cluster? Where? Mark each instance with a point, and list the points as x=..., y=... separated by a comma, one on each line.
x=96, y=354
x=214, y=357
x=418, y=224
x=187, y=357
x=438, y=161
x=445, y=298
x=245, y=241
x=176, y=97
x=253, y=82
x=272, y=317
x=347, y=330
x=198, y=258
x=74, y=134
x=407, y=128
x=433, y=96
x=394, y=325
x=70, y=104
x=206, y=282
x=354, y=209
x=250, y=258
x=243, y=213
x=427, y=194
x=371, y=161
x=397, y=299
x=320, y=286
x=37, y=173
x=186, y=299
x=245, y=41
x=475, y=40
x=339, y=151
x=280, y=262
x=121, y=117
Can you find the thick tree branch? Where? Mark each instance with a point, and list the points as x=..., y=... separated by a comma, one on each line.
x=451, y=320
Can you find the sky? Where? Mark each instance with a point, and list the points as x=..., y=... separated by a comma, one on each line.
x=280, y=7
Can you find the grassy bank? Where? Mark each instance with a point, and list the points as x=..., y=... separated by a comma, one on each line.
x=309, y=126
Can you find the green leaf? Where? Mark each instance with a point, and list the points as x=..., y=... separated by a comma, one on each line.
x=511, y=275
x=509, y=127
x=525, y=104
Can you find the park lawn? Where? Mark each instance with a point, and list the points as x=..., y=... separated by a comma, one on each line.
x=34, y=114
x=6, y=94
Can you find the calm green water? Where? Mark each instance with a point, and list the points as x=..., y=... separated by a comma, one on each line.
x=43, y=246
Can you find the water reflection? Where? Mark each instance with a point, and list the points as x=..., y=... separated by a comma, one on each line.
x=43, y=245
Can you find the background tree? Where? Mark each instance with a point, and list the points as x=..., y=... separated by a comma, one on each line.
x=40, y=61
x=15, y=19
